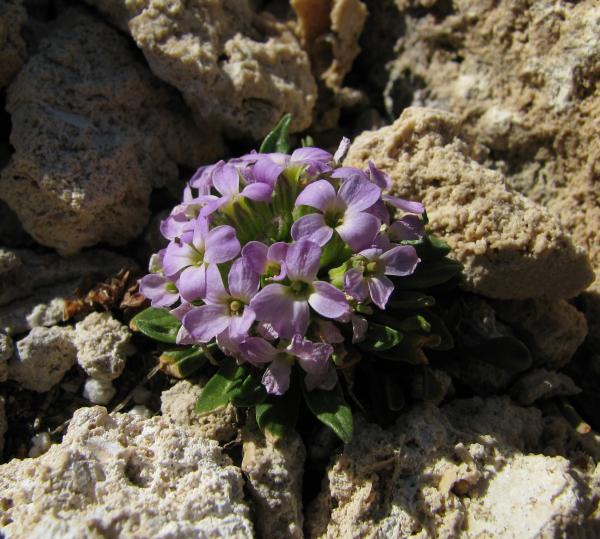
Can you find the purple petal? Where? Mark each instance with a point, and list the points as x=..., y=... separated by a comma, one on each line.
x=200, y=232
x=275, y=305
x=325, y=380
x=243, y=280
x=380, y=211
x=359, y=194
x=328, y=301
x=192, y=283
x=409, y=227
x=206, y=322
x=404, y=205
x=358, y=230
x=314, y=354
x=184, y=337
x=202, y=178
x=378, y=177
x=221, y=244
x=261, y=192
x=302, y=260
x=177, y=257
x=266, y=171
x=320, y=195
x=342, y=150
x=255, y=253
x=329, y=332
x=153, y=286
x=317, y=159
x=356, y=285
x=182, y=310
x=380, y=289
x=401, y=260
x=214, y=205
x=240, y=325
x=276, y=378
x=276, y=255
x=215, y=290
x=266, y=331
x=345, y=173
x=381, y=242
x=226, y=180
x=228, y=344
x=312, y=227
x=174, y=226
x=257, y=351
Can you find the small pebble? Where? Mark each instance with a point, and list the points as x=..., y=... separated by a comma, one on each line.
x=98, y=391
x=141, y=411
x=40, y=443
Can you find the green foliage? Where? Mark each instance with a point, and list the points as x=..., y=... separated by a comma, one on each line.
x=222, y=387
x=278, y=415
x=157, y=324
x=278, y=140
x=331, y=409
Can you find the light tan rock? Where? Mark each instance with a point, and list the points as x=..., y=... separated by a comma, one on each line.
x=103, y=345
x=178, y=405
x=523, y=77
x=238, y=70
x=552, y=330
x=275, y=470
x=462, y=471
x=6, y=352
x=13, y=49
x=511, y=248
x=94, y=132
x=43, y=357
x=124, y=476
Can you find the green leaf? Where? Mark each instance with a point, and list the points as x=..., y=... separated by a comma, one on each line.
x=414, y=323
x=410, y=300
x=307, y=141
x=251, y=391
x=220, y=389
x=380, y=338
x=158, y=324
x=183, y=362
x=331, y=409
x=429, y=273
x=432, y=248
x=278, y=140
x=438, y=327
x=410, y=349
x=277, y=416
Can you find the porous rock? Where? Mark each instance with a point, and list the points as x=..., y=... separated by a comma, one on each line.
x=178, y=405
x=238, y=70
x=543, y=384
x=275, y=469
x=124, y=476
x=102, y=346
x=459, y=471
x=98, y=391
x=511, y=248
x=12, y=45
x=43, y=357
x=552, y=330
x=87, y=149
x=6, y=352
x=34, y=286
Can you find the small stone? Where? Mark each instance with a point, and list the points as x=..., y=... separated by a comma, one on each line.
x=42, y=358
x=542, y=384
x=13, y=48
x=6, y=352
x=98, y=391
x=40, y=443
x=102, y=346
x=141, y=395
x=141, y=411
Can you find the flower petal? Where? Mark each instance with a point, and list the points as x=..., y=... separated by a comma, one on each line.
x=378, y=177
x=226, y=180
x=177, y=256
x=261, y=192
x=345, y=173
x=319, y=195
x=275, y=305
x=153, y=286
x=257, y=351
x=221, y=244
x=356, y=285
x=409, y=227
x=255, y=253
x=302, y=260
x=380, y=289
x=401, y=260
x=215, y=290
x=266, y=171
x=312, y=227
x=342, y=150
x=358, y=230
x=243, y=280
x=276, y=378
x=240, y=325
x=328, y=301
x=206, y=322
x=359, y=194
x=192, y=283
x=404, y=205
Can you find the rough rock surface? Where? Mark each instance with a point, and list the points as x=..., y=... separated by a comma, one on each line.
x=12, y=46
x=511, y=248
x=542, y=384
x=43, y=357
x=236, y=69
x=275, y=469
x=523, y=76
x=460, y=471
x=3, y=424
x=88, y=153
x=6, y=352
x=124, y=476
x=102, y=346
x=34, y=286
x=178, y=403
x=552, y=330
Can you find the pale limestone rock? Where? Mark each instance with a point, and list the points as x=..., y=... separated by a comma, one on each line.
x=542, y=384
x=522, y=76
x=6, y=351
x=102, y=346
x=88, y=150
x=13, y=49
x=511, y=248
x=178, y=405
x=43, y=357
x=34, y=287
x=552, y=330
x=98, y=391
x=238, y=70
x=452, y=472
x=124, y=476
x=274, y=469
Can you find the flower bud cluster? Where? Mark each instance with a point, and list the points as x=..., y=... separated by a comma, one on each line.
x=280, y=259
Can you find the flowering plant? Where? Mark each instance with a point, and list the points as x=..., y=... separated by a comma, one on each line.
x=286, y=272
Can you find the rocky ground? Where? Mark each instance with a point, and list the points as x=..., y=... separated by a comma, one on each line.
x=486, y=111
